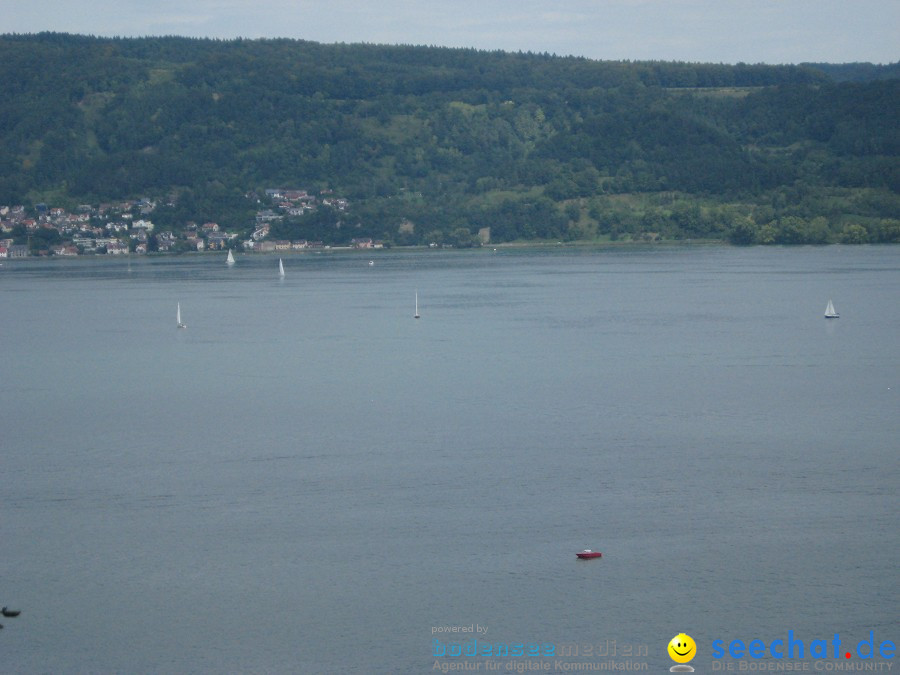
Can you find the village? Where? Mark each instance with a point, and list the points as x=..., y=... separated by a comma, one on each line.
x=127, y=227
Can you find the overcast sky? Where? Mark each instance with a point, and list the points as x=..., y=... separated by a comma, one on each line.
x=719, y=31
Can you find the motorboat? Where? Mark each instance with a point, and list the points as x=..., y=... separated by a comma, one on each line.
x=588, y=553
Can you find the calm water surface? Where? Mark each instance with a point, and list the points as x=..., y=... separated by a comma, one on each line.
x=308, y=480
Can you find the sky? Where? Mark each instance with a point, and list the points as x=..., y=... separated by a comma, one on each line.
x=713, y=31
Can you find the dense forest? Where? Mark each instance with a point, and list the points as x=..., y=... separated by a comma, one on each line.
x=435, y=144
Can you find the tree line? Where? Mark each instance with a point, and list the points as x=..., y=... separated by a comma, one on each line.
x=532, y=146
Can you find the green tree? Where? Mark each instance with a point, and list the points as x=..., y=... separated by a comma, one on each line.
x=462, y=238
x=768, y=234
x=743, y=231
x=854, y=234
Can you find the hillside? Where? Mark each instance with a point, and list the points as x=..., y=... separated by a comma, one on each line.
x=434, y=144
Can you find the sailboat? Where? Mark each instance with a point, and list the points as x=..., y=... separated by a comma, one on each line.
x=829, y=311
x=230, y=259
x=416, y=315
x=280, y=268
x=178, y=317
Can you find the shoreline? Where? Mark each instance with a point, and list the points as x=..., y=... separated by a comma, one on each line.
x=488, y=248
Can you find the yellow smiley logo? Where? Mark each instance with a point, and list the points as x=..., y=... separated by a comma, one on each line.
x=682, y=648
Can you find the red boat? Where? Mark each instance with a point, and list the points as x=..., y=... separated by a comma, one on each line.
x=588, y=553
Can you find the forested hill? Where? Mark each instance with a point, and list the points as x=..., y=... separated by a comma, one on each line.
x=857, y=72
x=435, y=144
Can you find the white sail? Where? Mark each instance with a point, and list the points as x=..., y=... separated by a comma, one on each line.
x=829, y=311
x=178, y=316
x=230, y=259
x=280, y=268
x=416, y=315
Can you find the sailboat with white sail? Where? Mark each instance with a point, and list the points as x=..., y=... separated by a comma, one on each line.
x=280, y=268
x=230, y=258
x=178, y=321
x=830, y=313
x=416, y=315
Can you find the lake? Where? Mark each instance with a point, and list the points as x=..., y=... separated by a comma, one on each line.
x=307, y=479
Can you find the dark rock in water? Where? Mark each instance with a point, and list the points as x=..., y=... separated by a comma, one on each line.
x=10, y=612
